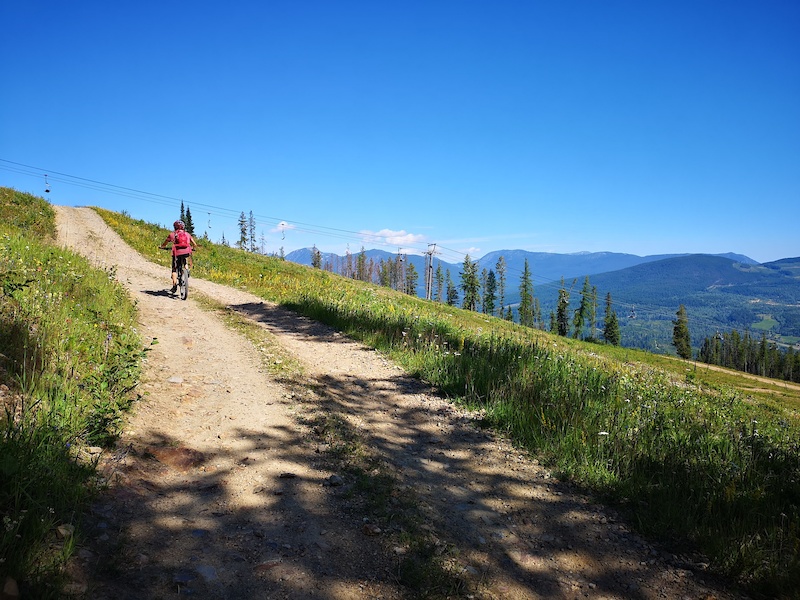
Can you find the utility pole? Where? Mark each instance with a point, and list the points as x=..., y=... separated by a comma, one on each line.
x=429, y=271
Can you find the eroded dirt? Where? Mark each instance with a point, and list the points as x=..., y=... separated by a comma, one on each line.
x=225, y=483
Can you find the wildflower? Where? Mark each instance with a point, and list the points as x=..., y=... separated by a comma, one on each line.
x=603, y=433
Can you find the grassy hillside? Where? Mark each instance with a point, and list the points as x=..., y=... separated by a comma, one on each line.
x=689, y=457
x=719, y=295
x=69, y=357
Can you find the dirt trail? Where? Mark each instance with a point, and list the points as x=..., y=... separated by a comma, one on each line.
x=224, y=489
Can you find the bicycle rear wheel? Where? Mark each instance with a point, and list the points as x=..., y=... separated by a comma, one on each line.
x=184, y=283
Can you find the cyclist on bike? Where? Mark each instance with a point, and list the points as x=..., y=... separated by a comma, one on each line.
x=183, y=245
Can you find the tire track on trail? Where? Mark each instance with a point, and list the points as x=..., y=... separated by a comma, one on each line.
x=220, y=490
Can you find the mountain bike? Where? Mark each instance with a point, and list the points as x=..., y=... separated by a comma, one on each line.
x=182, y=272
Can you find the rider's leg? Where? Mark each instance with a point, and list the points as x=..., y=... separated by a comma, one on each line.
x=174, y=274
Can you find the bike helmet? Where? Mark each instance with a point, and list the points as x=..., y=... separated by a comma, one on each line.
x=179, y=225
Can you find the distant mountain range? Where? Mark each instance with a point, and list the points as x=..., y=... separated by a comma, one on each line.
x=720, y=292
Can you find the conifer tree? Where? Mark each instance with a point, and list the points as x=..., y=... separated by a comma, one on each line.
x=361, y=265
x=482, y=279
x=439, y=295
x=242, y=243
x=316, y=257
x=470, y=283
x=251, y=232
x=501, y=282
x=680, y=334
x=582, y=313
x=348, y=263
x=262, y=243
x=526, y=297
x=611, y=325
x=490, y=293
x=412, y=278
x=183, y=212
x=384, y=273
x=452, y=290
x=187, y=220
x=562, y=311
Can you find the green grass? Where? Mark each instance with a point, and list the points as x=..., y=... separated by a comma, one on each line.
x=767, y=323
x=69, y=356
x=692, y=455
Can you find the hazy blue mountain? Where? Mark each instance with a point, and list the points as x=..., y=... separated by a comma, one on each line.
x=720, y=292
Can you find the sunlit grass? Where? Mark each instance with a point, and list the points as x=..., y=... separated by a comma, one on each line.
x=69, y=358
x=692, y=455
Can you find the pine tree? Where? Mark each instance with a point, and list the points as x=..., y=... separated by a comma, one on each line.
x=412, y=278
x=611, y=325
x=680, y=334
x=361, y=265
x=501, y=282
x=242, y=243
x=526, y=297
x=183, y=213
x=469, y=283
x=562, y=311
x=348, y=264
x=452, y=290
x=251, y=232
x=223, y=241
x=439, y=295
x=482, y=280
x=582, y=313
x=316, y=257
x=188, y=221
x=489, y=293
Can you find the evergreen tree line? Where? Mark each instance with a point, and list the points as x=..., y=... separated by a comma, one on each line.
x=749, y=354
x=249, y=240
x=484, y=291
x=186, y=217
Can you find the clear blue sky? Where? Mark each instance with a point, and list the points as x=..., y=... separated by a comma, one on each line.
x=640, y=127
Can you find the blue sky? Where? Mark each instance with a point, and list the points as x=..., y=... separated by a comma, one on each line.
x=640, y=127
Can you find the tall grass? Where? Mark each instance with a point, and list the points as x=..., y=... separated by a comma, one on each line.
x=69, y=358
x=711, y=468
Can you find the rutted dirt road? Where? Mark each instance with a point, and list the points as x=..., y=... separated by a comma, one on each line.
x=226, y=484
